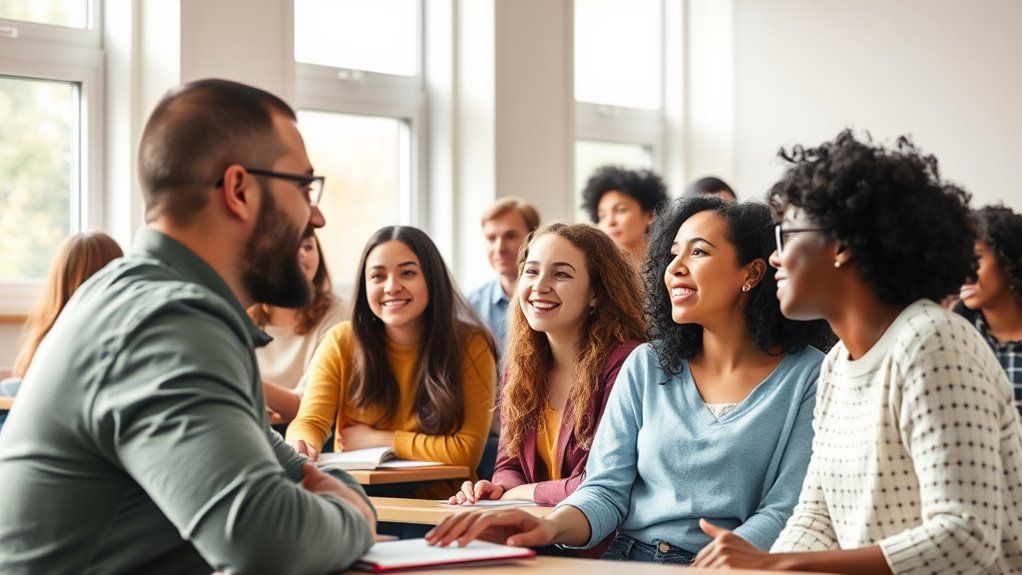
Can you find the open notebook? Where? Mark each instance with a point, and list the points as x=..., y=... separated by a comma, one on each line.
x=370, y=458
x=406, y=554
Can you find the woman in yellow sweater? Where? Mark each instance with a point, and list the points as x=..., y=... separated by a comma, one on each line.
x=414, y=369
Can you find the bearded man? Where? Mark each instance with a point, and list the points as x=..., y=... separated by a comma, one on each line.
x=140, y=442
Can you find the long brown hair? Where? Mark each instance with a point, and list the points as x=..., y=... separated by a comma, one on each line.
x=322, y=297
x=77, y=258
x=447, y=323
x=616, y=319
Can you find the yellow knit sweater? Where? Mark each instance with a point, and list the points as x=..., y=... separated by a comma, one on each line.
x=327, y=401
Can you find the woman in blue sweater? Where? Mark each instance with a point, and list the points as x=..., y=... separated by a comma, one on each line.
x=710, y=420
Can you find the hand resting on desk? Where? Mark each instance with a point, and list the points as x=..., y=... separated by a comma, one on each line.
x=509, y=527
x=482, y=489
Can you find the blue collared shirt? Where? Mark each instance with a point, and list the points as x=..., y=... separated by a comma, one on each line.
x=490, y=301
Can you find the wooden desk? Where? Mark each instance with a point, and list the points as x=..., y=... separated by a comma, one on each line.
x=543, y=565
x=409, y=475
x=430, y=512
x=6, y=403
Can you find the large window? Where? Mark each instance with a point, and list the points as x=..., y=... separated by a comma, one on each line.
x=361, y=105
x=50, y=138
x=39, y=166
x=619, y=85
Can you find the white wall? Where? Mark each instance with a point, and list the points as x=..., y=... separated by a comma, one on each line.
x=946, y=72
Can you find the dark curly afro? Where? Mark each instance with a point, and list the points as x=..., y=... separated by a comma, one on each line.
x=1001, y=230
x=750, y=230
x=910, y=233
x=643, y=185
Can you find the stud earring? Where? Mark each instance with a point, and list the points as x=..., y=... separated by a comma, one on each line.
x=837, y=263
x=746, y=287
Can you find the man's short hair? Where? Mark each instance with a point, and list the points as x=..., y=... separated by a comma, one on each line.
x=530, y=215
x=196, y=131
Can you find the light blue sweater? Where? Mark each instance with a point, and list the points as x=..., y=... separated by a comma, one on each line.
x=660, y=460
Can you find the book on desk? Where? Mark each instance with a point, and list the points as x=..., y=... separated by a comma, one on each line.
x=369, y=458
x=390, y=556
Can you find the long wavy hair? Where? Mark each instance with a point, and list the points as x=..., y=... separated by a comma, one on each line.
x=447, y=323
x=322, y=296
x=750, y=230
x=616, y=319
x=77, y=258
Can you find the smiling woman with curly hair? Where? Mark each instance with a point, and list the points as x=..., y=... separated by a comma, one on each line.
x=711, y=419
x=993, y=303
x=917, y=458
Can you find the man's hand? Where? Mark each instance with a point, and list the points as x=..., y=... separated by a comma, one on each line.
x=316, y=481
x=305, y=449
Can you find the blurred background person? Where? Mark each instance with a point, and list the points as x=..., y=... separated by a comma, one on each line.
x=623, y=203
x=993, y=303
x=506, y=224
x=77, y=259
x=296, y=333
x=711, y=186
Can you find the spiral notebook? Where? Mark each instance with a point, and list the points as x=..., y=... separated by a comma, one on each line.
x=409, y=554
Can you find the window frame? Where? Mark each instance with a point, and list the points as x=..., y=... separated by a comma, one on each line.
x=624, y=125
x=35, y=51
x=338, y=90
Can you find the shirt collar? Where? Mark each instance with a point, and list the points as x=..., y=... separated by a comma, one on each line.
x=497, y=295
x=152, y=243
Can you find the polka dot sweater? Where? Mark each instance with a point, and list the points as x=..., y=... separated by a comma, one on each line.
x=918, y=449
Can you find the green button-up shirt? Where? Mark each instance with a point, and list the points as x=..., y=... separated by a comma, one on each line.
x=140, y=441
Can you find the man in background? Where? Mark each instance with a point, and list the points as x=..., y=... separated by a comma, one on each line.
x=140, y=441
x=506, y=224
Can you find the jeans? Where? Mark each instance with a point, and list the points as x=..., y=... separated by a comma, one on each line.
x=625, y=548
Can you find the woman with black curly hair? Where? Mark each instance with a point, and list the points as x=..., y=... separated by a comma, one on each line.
x=711, y=419
x=622, y=203
x=918, y=450
x=993, y=303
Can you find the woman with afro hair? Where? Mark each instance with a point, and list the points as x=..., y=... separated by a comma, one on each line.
x=993, y=303
x=917, y=457
x=622, y=203
x=712, y=418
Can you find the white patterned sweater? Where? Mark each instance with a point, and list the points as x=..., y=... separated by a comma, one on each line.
x=918, y=448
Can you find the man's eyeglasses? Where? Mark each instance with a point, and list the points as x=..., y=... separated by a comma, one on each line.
x=780, y=233
x=312, y=185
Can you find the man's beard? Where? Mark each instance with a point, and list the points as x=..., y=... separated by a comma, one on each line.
x=270, y=270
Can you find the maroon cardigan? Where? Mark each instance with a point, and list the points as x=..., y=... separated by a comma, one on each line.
x=529, y=468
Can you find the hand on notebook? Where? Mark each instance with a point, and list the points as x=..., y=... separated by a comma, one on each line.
x=320, y=482
x=511, y=527
x=482, y=489
x=362, y=436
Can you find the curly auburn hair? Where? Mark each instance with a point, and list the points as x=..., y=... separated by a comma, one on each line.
x=910, y=233
x=643, y=185
x=750, y=231
x=322, y=296
x=616, y=319
x=1001, y=230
